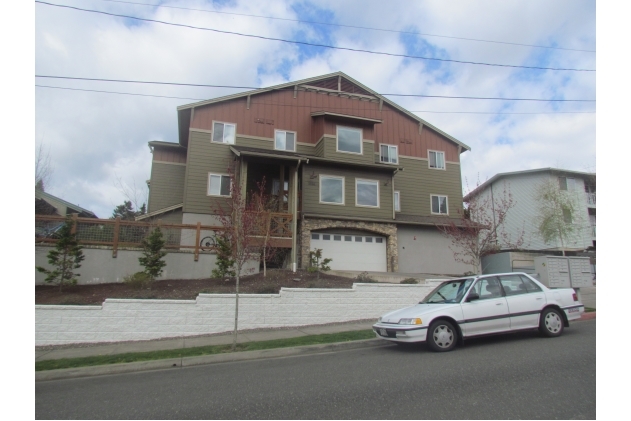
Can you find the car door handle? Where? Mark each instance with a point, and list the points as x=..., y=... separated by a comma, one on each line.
x=498, y=304
x=539, y=298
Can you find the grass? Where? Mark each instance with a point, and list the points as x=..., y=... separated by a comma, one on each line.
x=589, y=310
x=203, y=350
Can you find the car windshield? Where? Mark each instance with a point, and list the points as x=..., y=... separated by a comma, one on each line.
x=448, y=292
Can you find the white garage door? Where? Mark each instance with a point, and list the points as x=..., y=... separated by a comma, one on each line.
x=352, y=252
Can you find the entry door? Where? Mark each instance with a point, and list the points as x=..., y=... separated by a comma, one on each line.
x=489, y=314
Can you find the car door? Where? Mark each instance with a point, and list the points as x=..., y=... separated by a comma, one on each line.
x=525, y=300
x=489, y=313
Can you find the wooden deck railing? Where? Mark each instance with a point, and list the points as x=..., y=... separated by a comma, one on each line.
x=117, y=233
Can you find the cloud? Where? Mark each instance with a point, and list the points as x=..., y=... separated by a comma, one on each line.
x=95, y=137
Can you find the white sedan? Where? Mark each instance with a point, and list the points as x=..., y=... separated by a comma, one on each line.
x=481, y=305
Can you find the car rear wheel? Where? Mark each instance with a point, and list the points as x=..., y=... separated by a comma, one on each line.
x=442, y=336
x=551, y=323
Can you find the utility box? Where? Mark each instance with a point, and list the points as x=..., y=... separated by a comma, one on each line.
x=564, y=272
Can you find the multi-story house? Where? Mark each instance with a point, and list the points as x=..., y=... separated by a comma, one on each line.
x=359, y=177
x=523, y=217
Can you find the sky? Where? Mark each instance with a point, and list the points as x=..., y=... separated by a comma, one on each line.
x=97, y=142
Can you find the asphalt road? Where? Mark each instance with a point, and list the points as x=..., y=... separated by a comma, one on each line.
x=501, y=377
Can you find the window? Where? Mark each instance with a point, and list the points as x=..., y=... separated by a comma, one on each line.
x=224, y=132
x=369, y=239
x=566, y=183
x=348, y=238
x=358, y=239
x=487, y=288
x=389, y=154
x=331, y=189
x=439, y=204
x=285, y=141
x=315, y=236
x=530, y=286
x=513, y=285
x=379, y=240
x=437, y=160
x=397, y=201
x=218, y=185
x=349, y=140
x=326, y=237
x=367, y=193
x=276, y=189
x=567, y=216
x=337, y=238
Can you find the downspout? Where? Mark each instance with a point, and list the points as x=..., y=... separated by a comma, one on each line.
x=294, y=222
x=493, y=206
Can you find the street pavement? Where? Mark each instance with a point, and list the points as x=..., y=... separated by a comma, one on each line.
x=521, y=375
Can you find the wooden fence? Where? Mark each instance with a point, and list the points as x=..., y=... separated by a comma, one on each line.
x=117, y=233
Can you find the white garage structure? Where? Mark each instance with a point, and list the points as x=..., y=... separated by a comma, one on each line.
x=352, y=252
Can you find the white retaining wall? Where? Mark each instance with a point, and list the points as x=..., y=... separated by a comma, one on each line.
x=130, y=320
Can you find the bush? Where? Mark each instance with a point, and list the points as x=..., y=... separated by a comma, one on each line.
x=409, y=281
x=152, y=255
x=137, y=281
x=225, y=262
x=365, y=278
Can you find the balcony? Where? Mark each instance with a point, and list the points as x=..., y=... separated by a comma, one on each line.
x=591, y=199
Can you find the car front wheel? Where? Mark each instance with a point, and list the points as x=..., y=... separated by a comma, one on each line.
x=551, y=323
x=442, y=336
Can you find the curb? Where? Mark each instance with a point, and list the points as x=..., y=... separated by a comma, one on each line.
x=70, y=373
x=587, y=316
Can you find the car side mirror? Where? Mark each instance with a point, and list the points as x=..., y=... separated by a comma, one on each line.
x=473, y=296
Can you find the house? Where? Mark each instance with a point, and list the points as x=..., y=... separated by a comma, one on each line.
x=523, y=217
x=47, y=204
x=357, y=175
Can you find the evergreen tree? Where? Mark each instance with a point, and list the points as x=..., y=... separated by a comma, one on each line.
x=152, y=254
x=65, y=257
x=126, y=211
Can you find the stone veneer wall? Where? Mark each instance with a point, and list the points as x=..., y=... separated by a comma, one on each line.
x=133, y=320
x=312, y=224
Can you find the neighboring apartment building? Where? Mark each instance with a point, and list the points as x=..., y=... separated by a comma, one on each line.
x=47, y=204
x=523, y=186
x=360, y=177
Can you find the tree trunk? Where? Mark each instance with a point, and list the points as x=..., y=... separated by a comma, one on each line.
x=264, y=262
x=236, y=312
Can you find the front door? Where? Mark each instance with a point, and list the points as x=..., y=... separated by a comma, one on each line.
x=489, y=314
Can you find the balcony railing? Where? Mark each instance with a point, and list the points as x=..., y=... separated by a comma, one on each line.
x=591, y=199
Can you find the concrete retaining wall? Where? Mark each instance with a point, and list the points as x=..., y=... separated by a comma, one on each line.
x=129, y=320
x=100, y=267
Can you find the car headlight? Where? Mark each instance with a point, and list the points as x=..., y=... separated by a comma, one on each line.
x=415, y=321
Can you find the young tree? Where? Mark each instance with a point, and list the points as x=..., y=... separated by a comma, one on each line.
x=43, y=168
x=481, y=231
x=241, y=221
x=262, y=204
x=152, y=254
x=65, y=257
x=137, y=195
x=225, y=263
x=558, y=216
x=317, y=265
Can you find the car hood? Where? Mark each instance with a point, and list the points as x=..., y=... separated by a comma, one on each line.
x=418, y=310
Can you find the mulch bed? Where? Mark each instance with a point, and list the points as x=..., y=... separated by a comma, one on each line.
x=188, y=289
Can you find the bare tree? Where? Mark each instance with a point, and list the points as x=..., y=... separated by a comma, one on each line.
x=241, y=220
x=263, y=204
x=43, y=168
x=137, y=195
x=559, y=217
x=482, y=230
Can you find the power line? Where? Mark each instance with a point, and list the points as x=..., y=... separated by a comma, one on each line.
x=291, y=89
x=305, y=106
x=348, y=26
x=358, y=50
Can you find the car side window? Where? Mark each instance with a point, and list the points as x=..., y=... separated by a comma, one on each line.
x=529, y=285
x=488, y=288
x=513, y=285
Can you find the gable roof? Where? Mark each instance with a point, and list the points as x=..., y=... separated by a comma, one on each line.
x=40, y=194
x=184, y=111
x=498, y=176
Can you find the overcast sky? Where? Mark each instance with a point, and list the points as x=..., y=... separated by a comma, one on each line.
x=95, y=139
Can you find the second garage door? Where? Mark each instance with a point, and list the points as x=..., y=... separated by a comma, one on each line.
x=352, y=252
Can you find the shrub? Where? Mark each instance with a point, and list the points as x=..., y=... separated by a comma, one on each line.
x=137, y=281
x=225, y=264
x=66, y=256
x=365, y=278
x=317, y=265
x=409, y=281
x=152, y=254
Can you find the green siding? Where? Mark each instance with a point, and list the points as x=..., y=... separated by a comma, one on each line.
x=255, y=143
x=319, y=148
x=167, y=185
x=417, y=182
x=173, y=217
x=306, y=150
x=204, y=157
x=329, y=145
x=311, y=192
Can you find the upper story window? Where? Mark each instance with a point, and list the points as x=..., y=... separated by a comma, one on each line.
x=218, y=185
x=567, y=183
x=332, y=189
x=349, y=140
x=224, y=132
x=397, y=201
x=439, y=204
x=436, y=160
x=389, y=154
x=285, y=141
x=367, y=193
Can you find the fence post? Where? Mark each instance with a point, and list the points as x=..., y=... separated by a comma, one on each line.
x=75, y=217
x=197, y=235
x=115, y=239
